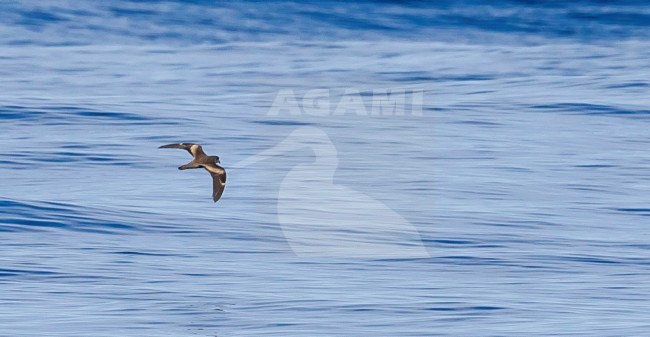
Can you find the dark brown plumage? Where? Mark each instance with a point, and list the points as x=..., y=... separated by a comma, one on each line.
x=202, y=160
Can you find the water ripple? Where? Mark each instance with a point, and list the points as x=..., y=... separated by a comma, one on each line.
x=593, y=109
x=66, y=115
x=18, y=216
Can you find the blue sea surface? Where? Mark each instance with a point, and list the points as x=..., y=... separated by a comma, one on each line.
x=526, y=177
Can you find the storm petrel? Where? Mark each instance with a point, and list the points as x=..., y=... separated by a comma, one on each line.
x=202, y=160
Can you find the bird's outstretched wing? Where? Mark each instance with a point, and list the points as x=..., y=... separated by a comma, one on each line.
x=218, y=174
x=198, y=152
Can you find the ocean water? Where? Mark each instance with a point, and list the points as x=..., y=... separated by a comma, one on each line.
x=509, y=197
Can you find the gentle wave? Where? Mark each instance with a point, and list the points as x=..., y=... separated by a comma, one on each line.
x=201, y=22
x=20, y=216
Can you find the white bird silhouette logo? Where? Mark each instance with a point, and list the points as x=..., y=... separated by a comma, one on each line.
x=321, y=218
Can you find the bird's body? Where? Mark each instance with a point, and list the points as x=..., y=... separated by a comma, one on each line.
x=202, y=160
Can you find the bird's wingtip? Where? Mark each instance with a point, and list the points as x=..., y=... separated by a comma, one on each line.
x=171, y=146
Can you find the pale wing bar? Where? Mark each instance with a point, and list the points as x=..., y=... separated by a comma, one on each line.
x=218, y=174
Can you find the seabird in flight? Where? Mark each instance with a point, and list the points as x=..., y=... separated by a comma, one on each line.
x=202, y=160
